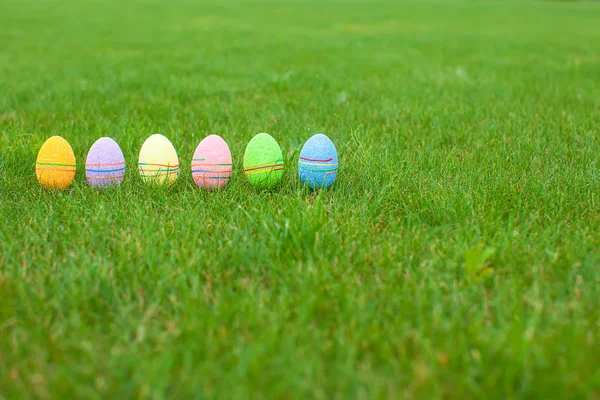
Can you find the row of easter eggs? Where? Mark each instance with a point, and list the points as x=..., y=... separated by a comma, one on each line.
x=211, y=164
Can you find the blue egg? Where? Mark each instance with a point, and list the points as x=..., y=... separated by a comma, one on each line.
x=318, y=162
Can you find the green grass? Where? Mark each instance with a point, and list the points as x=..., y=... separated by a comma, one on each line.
x=455, y=257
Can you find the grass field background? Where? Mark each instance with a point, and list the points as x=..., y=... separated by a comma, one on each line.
x=456, y=255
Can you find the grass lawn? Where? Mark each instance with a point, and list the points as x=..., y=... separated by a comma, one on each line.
x=456, y=256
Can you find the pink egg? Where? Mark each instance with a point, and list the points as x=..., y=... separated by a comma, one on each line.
x=211, y=165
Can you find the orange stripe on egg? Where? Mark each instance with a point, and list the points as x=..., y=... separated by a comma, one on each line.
x=144, y=164
x=55, y=169
x=265, y=171
x=149, y=174
x=105, y=164
x=263, y=167
x=105, y=177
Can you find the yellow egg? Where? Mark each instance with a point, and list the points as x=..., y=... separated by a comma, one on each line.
x=158, y=161
x=55, y=164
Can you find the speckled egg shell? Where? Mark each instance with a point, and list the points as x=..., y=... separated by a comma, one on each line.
x=158, y=162
x=55, y=164
x=211, y=164
x=105, y=164
x=263, y=161
x=318, y=162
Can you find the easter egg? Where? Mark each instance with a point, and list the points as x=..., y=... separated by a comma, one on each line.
x=211, y=164
x=105, y=164
x=158, y=162
x=263, y=161
x=318, y=162
x=55, y=164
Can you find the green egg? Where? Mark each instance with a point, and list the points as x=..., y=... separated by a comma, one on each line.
x=263, y=161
